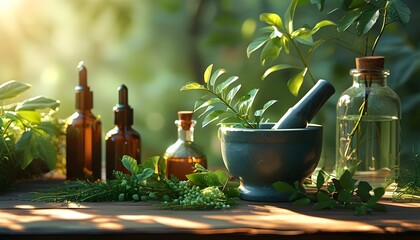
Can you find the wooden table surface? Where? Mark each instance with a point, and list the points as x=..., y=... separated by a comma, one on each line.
x=22, y=219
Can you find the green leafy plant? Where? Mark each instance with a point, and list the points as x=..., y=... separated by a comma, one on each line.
x=408, y=189
x=27, y=131
x=220, y=102
x=361, y=16
x=282, y=35
x=336, y=193
x=204, y=190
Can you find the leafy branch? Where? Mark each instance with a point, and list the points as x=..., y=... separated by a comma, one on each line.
x=204, y=190
x=281, y=35
x=364, y=15
x=336, y=193
x=221, y=104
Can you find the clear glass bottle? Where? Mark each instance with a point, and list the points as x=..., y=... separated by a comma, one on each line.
x=181, y=156
x=368, y=125
x=122, y=139
x=83, y=135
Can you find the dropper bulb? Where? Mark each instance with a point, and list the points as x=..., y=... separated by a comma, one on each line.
x=82, y=74
x=123, y=95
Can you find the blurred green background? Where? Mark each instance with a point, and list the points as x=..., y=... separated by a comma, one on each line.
x=156, y=46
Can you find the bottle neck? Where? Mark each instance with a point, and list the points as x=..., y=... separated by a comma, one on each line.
x=185, y=131
x=370, y=77
x=186, y=135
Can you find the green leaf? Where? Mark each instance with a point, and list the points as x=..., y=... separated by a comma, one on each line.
x=295, y=82
x=302, y=202
x=346, y=181
x=321, y=24
x=276, y=68
x=247, y=101
x=232, y=93
x=192, y=86
x=208, y=110
x=47, y=152
x=231, y=192
x=146, y=173
x=256, y=44
x=324, y=204
x=367, y=20
x=348, y=20
x=208, y=103
x=38, y=103
x=268, y=104
x=363, y=191
x=398, y=12
x=207, y=73
x=151, y=162
x=297, y=195
x=49, y=128
x=216, y=75
x=224, y=85
x=344, y=196
x=303, y=35
x=284, y=187
x=357, y=4
x=321, y=179
x=130, y=164
x=33, y=117
x=270, y=51
x=222, y=177
x=319, y=4
x=11, y=89
x=322, y=196
x=289, y=15
x=25, y=149
x=337, y=184
x=212, y=116
x=272, y=19
x=204, y=179
x=377, y=195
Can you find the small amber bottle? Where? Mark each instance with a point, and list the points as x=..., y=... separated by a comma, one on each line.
x=184, y=153
x=123, y=139
x=83, y=135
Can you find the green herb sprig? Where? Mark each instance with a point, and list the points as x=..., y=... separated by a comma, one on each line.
x=281, y=35
x=221, y=105
x=204, y=189
x=28, y=131
x=337, y=193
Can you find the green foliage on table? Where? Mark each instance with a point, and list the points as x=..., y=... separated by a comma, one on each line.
x=408, y=189
x=364, y=15
x=220, y=102
x=280, y=34
x=27, y=132
x=344, y=192
x=204, y=190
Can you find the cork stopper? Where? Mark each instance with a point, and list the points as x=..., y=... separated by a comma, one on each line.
x=372, y=62
x=185, y=118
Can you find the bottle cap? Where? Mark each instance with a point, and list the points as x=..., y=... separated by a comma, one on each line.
x=123, y=112
x=84, y=97
x=371, y=62
x=185, y=119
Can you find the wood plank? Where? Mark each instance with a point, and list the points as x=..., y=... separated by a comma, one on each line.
x=21, y=217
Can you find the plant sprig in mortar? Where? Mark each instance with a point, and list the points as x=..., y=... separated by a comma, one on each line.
x=220, y=102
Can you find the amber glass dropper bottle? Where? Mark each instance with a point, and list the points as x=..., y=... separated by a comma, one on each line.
x=83, y=135
x=182, y=156
x=122, y=139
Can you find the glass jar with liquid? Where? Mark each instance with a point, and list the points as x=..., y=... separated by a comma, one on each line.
x=368, y=125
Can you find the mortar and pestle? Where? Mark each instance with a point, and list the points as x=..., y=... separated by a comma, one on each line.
x=288, y=150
